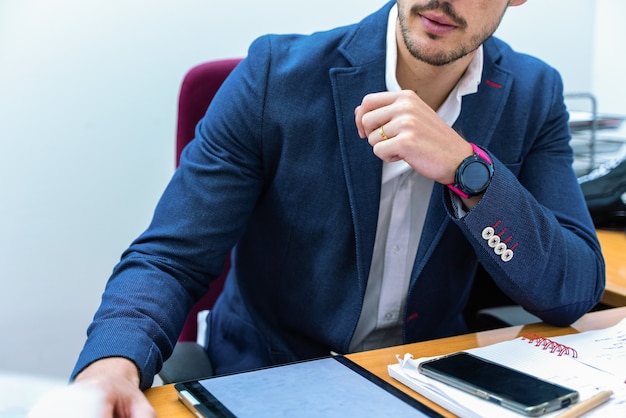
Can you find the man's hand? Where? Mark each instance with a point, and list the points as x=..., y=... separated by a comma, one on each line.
x=414, y=132
x=117, y=379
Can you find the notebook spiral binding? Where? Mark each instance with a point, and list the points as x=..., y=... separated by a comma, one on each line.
x=548, y=344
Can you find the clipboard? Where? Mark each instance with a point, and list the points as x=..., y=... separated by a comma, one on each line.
x=329, y=387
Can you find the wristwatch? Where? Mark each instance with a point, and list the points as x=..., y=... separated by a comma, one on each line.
x=473, y=174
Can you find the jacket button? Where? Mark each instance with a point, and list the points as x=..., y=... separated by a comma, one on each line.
x=500, y=248
x=488, y=232
x=507, y=256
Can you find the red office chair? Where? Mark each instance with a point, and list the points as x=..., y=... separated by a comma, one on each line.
x=197, y=90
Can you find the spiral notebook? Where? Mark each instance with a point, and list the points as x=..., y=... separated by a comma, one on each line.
x=588, y=362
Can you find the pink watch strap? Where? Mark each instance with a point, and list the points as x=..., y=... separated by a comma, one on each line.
x=482, y=154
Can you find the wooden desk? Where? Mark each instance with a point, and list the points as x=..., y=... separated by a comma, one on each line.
x=166, y=403
x=613, y=245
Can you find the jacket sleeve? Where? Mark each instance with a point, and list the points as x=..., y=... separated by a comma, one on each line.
x=196, y=223
x=532, y=230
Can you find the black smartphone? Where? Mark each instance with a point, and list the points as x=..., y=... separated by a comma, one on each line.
x=510, y=388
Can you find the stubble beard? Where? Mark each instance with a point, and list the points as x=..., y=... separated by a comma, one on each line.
x=441, y=58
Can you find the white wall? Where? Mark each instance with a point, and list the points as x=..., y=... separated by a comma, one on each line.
x=609, y=56
x=87, y=114
x=560, y=32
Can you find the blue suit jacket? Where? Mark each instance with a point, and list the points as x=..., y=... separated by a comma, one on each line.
x=278, y=171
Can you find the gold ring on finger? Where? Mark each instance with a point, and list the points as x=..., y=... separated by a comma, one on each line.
x=382, y=134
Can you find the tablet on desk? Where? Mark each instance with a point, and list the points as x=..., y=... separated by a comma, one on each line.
x=326, y=387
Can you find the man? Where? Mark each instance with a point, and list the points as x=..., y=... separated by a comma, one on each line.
x=361, y=175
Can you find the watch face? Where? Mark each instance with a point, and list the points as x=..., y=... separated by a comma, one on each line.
x=475, y=176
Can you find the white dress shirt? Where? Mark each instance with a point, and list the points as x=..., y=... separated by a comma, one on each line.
x=405, y=196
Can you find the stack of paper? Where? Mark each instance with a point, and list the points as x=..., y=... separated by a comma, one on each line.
x=599, y=366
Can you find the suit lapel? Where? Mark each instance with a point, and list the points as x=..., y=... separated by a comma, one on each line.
x=363, y=73
x=481, y=111
x=362, y=169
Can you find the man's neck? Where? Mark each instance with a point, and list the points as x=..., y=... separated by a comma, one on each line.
x=432, y=83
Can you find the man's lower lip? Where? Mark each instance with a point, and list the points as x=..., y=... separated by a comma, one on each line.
x=436, y=28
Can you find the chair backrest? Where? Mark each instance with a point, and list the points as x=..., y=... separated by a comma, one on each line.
x=196, y=92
